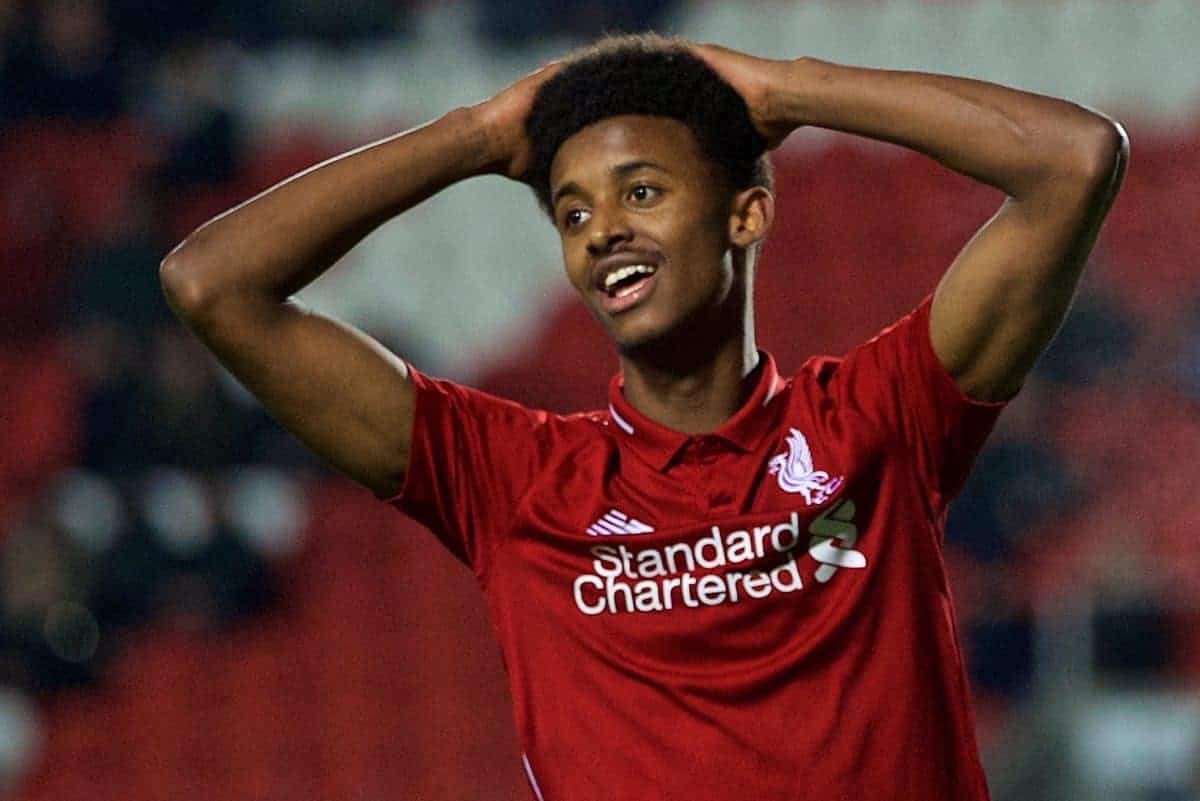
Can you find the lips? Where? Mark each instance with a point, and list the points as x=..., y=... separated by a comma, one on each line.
x=629, y=295
x=632, y=288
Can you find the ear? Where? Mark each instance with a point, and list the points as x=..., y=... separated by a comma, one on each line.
x=751, y=215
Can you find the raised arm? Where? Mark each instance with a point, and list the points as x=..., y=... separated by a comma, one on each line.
x=1006, y=294
x=231, y=281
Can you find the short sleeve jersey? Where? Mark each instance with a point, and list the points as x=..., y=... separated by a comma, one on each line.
x=758, y=612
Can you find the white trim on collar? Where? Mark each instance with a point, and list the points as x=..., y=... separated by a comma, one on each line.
x=773, y=390
x=620, y=421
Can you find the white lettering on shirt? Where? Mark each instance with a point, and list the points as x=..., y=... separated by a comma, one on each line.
x=628, y=579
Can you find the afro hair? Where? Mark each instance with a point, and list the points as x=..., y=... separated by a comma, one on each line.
x=651, y=74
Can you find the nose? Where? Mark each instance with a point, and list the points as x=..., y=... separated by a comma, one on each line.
x=607, y=231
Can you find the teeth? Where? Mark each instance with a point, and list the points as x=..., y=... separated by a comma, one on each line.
x=616, y=276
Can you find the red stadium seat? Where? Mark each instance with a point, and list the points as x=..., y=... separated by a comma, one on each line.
x=41, y=416
x=90, y=169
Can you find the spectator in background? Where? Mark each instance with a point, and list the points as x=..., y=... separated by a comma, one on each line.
x=94, y=515
x=48, y=633
x=117, y=277
x=164, y=404
x=189, y=417
x=113, y=305
x=189, y=106
x=1000, y=640
x=1020, y=483
x=1016, y=481
x=66, y=67
x=77, y=568
x=109, y=363
x=1097, y=337
x=1131, y=630
x=208, y=574
x=151, y=395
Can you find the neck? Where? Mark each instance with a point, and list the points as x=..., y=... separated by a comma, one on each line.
x=697, y=388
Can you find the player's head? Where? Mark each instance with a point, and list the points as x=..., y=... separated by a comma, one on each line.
x=641, y=150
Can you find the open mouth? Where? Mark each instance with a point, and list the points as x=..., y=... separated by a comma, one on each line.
x=626, y=286
x=625, y=280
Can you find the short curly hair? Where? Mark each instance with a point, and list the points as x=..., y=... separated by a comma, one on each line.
x=645, y=73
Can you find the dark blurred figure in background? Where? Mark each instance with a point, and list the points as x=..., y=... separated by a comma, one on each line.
x=65, y=64
x=190, y=111
x=48, y=634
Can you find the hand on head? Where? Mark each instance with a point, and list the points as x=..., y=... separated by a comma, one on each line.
x=503, y=117
x=760, y=81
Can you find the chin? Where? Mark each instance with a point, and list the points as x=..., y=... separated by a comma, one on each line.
x=646, y=332
x=633, y=338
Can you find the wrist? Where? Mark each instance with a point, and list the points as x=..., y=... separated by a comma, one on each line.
x=494, y=142
x=791, y=102
x=482, y=147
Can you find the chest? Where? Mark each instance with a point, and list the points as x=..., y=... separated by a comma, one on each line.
x=733, y=554
x=609, y=491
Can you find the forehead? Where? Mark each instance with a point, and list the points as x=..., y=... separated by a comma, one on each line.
x=590, y=153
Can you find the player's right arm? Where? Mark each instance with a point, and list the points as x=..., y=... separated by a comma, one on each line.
x=231, y=281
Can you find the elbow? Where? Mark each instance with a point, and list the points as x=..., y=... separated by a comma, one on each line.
x=1087, y=164
x=182, y=276
x=1103, y=152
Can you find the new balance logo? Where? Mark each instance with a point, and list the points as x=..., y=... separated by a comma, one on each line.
x=617, y=523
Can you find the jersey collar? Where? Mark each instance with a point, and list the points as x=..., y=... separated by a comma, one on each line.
x=659, y=445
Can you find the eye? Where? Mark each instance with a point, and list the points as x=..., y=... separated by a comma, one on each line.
x=573, y=217
x=642, y=192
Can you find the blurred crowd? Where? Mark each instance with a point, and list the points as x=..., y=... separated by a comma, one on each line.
x=141, y=485
x=138, y=482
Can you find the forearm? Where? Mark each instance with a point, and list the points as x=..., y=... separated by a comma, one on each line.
x=282, y=239
x=1015, y=141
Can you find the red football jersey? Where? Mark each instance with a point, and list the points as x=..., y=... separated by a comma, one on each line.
x=760, y=612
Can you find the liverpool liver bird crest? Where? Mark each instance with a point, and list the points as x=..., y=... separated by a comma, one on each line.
x=796, y=473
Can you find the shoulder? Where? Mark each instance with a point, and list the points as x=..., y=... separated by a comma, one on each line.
x=817, y=370
x=580, y=426
x=907, y=338
x=471, y=406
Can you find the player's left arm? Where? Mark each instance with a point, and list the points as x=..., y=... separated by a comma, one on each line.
x=1060, y=165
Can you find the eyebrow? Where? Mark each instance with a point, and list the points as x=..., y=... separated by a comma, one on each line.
x=620, y=171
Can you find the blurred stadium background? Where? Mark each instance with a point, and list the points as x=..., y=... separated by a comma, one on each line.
x=191, y=608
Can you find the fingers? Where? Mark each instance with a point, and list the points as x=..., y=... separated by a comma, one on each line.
x=711, y=48
x=549, y=68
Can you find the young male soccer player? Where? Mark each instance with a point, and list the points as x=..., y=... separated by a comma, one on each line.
x=728, y=584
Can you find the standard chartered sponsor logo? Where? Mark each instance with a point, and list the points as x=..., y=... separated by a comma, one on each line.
x=655, y=579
